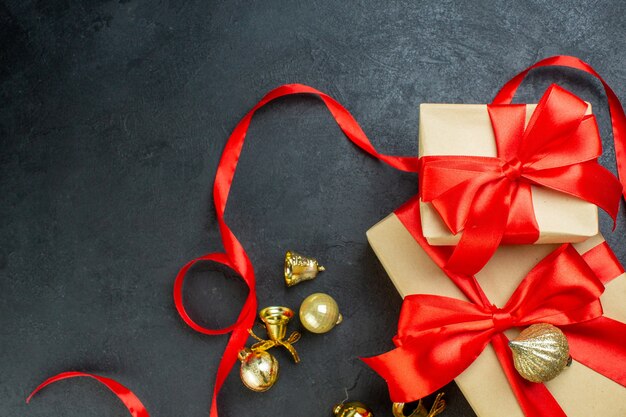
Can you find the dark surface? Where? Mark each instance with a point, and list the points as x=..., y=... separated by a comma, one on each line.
x=112, y=121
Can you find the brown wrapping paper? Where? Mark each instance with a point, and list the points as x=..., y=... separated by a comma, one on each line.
x=580, y=391
x=465, y=129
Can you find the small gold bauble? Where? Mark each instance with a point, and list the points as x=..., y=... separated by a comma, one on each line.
x=353, y=409
x=319, y=313
x=259, y=370
x=540, y=352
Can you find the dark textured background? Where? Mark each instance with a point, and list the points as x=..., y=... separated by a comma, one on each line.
x=112, y=121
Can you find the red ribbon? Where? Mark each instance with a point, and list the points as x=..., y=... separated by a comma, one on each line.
x=130, y=400
x=489, y=199
x=235, y=256
x=439, y=337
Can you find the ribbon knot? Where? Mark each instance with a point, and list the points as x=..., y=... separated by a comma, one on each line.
x=263, y=344
x=512, y=169
x=502, y=319
x=483, y=196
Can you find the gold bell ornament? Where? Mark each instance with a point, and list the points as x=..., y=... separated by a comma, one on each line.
x=300, y=268
x=319, y=313
x=540, y=352
x=259, y=369
x=276, y=319
x=352, y=409
x=438, y=406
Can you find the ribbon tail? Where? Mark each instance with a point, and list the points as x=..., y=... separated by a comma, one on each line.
x=582, y=181
x=603, y=262
x=407, y=379
x=600, y=344
x=126, y=396
x=292, y=350
x=534, y=399
x=409, y=215
x=484, y=229
x=422, y=364
x=522, y=227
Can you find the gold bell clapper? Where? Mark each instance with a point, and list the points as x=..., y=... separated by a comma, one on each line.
x=352, y=409
x=319, y=313
x=540, y=352
x=300, y=268
x=259, y=369
x=276, y=319
x=420, y=411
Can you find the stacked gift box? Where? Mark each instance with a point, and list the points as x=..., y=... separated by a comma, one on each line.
x=491, y=172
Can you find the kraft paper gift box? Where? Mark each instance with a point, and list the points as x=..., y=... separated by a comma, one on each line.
x=465, y=129
x=580, y=391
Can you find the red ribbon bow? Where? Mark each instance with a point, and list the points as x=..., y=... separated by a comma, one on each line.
x=439, y=337
x=490, y=200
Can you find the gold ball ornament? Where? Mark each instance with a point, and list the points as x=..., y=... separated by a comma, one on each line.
x=319, y=313
x=259, y=370
x=352, y=409
x=540, y=352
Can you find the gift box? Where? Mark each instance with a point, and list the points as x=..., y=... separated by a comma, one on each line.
x=466, y=129
x=580, y=391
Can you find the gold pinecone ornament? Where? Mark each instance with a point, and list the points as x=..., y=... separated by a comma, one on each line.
x=540, y=352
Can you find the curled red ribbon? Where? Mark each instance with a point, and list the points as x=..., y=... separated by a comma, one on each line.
x=235, y=256
x=490, y=198
x=126, y=396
